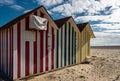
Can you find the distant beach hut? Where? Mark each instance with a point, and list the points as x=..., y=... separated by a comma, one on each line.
x=84, y=36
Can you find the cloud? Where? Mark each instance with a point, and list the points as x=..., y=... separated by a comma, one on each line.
x=112, y=31
x=104, y=38
x=27, y=11
x=6, y=2
x=49, y=3
x=103, y=15
x=17, y=7
x=11, y=4
x=107, y=26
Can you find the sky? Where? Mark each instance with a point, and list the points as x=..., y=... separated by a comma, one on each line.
x=103, y=15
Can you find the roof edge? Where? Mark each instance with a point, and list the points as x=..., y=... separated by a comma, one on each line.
x=67, y=18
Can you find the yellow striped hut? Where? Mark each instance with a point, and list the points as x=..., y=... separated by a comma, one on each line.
x=84, y=37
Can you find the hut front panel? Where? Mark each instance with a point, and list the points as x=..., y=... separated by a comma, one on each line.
x=37, y=52
x=65, y=48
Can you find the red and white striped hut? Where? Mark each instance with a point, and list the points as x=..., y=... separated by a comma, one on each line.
x=26, y=49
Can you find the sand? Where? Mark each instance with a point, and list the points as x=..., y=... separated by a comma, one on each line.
x=104, y=66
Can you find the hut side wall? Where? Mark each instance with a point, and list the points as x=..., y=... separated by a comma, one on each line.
x=85, y=48
x=79, y=51
x=6, y=51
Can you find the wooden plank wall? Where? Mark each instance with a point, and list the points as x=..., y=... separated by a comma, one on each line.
x=65, y=46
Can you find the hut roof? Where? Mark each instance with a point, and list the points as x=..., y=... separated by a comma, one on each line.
x=9, y=24
x=62, y=21
x=82, y=26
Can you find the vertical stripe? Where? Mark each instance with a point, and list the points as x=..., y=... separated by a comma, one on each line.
x=27, y=58
x=59, y=48
x=35, y=50
x=27, y=23
x=83, y=44
x=75, y=48
x=35, y=54
x=63, y=46
x=47, y=46
x=69, y=43
x=44, y=52
x=15, y=53
x=41, y=51
x=31, y=57
x=7, y=51
x=55, y=49
x=53, y=40
x=2, y=50
x=65, y=43
x=18, y=47
x=57, y=56
x=12, y=52
x=38, y=52
x=72, y=44
x=22, y=47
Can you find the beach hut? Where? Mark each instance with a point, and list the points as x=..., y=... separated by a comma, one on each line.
x=84, y=37
x=66, y=42
x=27, y=44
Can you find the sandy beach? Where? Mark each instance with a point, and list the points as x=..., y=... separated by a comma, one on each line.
x=104, y=66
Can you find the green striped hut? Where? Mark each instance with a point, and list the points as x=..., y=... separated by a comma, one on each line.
x=66, y=42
